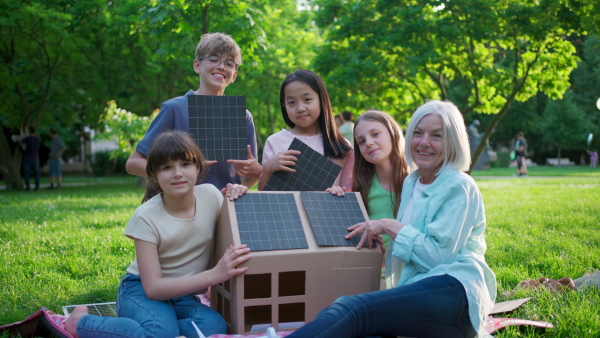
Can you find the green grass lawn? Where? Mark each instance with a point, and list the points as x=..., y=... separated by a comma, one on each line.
x=67, y=247
x=574, y=171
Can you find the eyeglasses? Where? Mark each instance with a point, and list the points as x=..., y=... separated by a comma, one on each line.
x=216, y=61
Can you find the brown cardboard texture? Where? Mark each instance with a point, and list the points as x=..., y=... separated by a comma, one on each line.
x=289, y=286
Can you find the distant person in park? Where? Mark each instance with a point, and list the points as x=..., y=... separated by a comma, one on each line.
x=593, y=158
x=31, y=159
x=57, y=148
x=347, y=126
x=173, y=234
x=338, y=120
x=306, y=109
x=439, y=284
x=217, y=60
x=520, y=154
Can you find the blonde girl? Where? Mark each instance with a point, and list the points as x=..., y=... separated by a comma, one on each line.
x=380, y=166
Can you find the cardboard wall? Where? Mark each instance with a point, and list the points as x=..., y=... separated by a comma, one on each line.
x=283, y=286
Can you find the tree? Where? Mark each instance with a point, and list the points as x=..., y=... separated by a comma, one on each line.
x=32, y=52
x=63, y=60
x=483, y=55
x=564, y=124
x=260, y=77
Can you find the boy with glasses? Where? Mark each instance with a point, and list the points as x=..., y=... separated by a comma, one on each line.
x=217, y=60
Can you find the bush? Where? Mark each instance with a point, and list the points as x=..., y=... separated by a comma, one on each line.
x=503, y=160
x=102, y=164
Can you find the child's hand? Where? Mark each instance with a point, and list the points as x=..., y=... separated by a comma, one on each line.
x=336, y=190
x=281, y=161
x=247, y=168
x=233, y=191
x=227, y=265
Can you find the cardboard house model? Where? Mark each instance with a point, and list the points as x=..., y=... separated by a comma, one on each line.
x=300, y=261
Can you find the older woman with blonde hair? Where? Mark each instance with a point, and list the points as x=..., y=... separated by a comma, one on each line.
x=439, y=284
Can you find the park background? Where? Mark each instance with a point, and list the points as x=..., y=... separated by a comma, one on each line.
x=531, y=66
x=96, y=69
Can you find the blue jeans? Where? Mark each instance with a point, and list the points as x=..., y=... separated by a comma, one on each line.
x=433, y=307
x=28, y=163
x=142, y=317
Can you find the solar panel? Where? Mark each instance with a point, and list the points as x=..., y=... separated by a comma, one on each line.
x=98, y=309
x=330, y=217
x=218, y=125
x=314, y=172
x=270, y=222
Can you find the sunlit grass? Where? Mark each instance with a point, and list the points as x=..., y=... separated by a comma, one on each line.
x=575, y=171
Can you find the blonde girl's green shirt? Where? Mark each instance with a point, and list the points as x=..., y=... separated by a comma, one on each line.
x=380, y=205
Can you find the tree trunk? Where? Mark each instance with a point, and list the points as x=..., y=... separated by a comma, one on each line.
x=489, y=129
x=558, y=165
x=10, y=165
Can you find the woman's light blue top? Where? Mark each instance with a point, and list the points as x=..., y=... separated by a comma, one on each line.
x=445, y=236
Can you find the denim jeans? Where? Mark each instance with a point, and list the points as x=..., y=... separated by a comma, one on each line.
x=142, y=317
x=28, y=163
x=433, y=307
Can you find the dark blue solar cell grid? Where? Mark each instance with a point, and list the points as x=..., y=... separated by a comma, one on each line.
x=270, y=222
x=218, y=125
x=330, y=217
x=314, y=172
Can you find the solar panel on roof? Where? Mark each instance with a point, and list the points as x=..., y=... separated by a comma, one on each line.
x=218, y=126
x=314, y=172
x=330, y=217
x=270, y=222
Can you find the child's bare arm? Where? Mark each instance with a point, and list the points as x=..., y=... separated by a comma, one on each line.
x=159, y=288
x=136, y=164
x=279, y=161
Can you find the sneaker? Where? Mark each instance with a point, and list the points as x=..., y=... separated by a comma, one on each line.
x=515, y=175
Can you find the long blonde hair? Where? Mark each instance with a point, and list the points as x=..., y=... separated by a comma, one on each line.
x=364, y=171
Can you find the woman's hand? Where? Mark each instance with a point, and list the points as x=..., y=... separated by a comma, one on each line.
x=281, y=161
x=336, y=190
x=372, y=231
x=233, y=191
x=227, y=265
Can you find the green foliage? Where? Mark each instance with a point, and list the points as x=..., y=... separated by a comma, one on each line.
x=62, y=61
x=414, y=51
x=483, y=55
x=564, y=124
x=280, y=54
x=124, y=127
